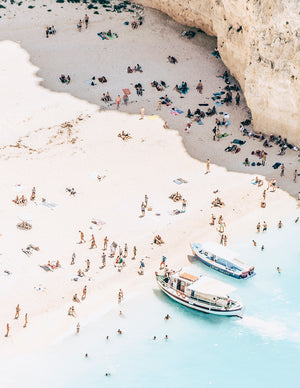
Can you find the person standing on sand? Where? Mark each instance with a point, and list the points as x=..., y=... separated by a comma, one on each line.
x=225, y=240
x=199, y=86
x=103, y=260
x=84, y=293
x=73, y=258
x=142, y=113
x=32, y=198
x=125, y=99
x=207, y=166
x=105, y=243
x=88, y=263
x=120, y=296
x=264, y=194
x=79, y=25
x=7, y=330
x=279, y=224
x=134, y=252
x=146, y=200
x=86, y=21
x=258, y=227
x=265, y=227
x=93, y=242
x=237, y=98
x=77, y=328
x=213, y=218
x=143, y=207
x=159, y=104
x=26, y=320
x=163, y=262
x=118, y=101
x=17, y=311
x=82, y=240
x=295, y=176
x=282, y=170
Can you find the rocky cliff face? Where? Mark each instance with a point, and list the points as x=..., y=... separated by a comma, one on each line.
x=259, y=41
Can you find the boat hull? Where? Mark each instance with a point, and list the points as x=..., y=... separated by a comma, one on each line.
x=196, y=305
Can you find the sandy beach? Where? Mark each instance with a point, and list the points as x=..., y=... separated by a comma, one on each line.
x=56, y=136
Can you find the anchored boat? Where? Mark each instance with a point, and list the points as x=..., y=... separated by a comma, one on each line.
x=222, y=259
x=200, y=292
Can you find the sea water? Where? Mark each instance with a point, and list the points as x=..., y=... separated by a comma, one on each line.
x=260, y=350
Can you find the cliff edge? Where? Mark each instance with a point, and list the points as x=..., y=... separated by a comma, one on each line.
x=259, y=41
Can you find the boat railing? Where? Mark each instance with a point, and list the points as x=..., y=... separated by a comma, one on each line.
x=209, y=302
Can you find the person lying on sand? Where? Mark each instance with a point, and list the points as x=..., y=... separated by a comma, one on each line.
x=71, y=191
x=75, y=298
x=158, y=240
x=176, y=197
x=102, y=80
x=172, y=60
x=138, y=68
x=24, y=225
x=124, y=136
x=101, y=177
x=218, y=202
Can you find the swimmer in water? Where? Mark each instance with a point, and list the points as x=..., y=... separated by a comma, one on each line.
x=296, y=220
x=278, y=270
x=154, y=338
x=254, y=243
x=107, y=337
x=167, y=317
x=86, y=355
x=262, y=247
x=120, y=331
x=107, y=374
x=166, y=337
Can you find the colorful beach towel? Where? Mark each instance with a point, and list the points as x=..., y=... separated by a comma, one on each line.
x=126, y=91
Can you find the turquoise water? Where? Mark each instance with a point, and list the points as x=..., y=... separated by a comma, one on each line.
x=260, y=350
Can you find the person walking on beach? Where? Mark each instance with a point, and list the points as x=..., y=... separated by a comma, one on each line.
x=82, y=240
x=88, y=263
x=73, y=258
x=142, y=113
x=79, y=25
x=103, y=260
x=26, y=320
x=105, y=243
x=258, y=227
x=77, y=328
x=265, y=227
x=225, y=240
x=207, y=166
x=146, y=200
x=282, y=170
x=125, y=250
x=213, y=218
x=120, y=296
x=7, y=330
x=199, y=86
x=279, y=224
x=118, y=101
x=84, y=293
x=86, y=21
x=159, y=104
x=32, y=198
x=264, y=194
x=17, y=311
x=143, y=207
x=134, y=252
x=93, y=242
x=295, y=176
x=163, y=262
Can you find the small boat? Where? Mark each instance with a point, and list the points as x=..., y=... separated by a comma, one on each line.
x=199, y=292
x=222, y=259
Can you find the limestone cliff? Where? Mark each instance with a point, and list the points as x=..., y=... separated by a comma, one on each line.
x=259, y=41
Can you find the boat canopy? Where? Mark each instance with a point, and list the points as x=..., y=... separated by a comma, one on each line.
x=206, y=285
x=187, y=276
x=219, y=250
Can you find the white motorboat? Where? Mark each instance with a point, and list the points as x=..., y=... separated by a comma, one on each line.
x=223, y=260
x=200, y=292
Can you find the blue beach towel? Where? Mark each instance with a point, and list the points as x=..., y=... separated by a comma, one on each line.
x=218, y=103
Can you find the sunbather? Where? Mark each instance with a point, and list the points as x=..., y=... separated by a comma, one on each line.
x=158, y=240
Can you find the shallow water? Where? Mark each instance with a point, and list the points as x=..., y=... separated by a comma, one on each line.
x=261, y=350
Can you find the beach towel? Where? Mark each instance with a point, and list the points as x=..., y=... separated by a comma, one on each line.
x=218, y=93
x=179, y=111
x=200, y=122
x=97, y=221
x=217, y=55
x=239, y=142
x=179, y=181
x=126, y=91
x=174, y=112
x=276, y=165
x=18, y=188
x=50, y=205
x=203, y=104
x=46, y=268
x=218, y=103
x=152, y=117
x=26, y=217
x=102, y=36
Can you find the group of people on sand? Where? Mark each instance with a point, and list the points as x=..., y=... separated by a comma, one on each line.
x=85, y=21
x=65, y=79
x=134, y=69
x=50, y=31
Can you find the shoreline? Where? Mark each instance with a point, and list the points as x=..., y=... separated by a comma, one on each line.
x=71, y=156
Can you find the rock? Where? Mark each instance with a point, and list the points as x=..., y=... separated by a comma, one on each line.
x=259, y=41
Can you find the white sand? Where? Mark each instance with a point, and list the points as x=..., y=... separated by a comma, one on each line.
x=52, y=157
